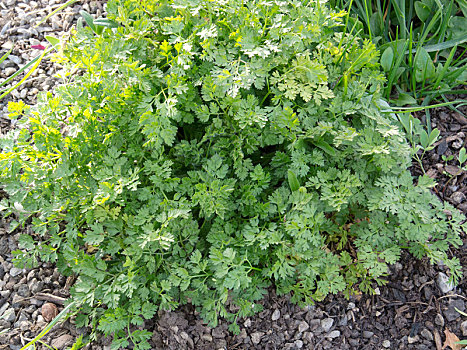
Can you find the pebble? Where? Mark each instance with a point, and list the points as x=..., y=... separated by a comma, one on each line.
x=326, y=324
x=458, y=197
x=451, y=312
x=426, y=334
x=256, y=337
x=276, y=315
x=207, y=337
x=439, y=320
x=298, y=344
x=442, y=281
x=303, y=326
x=367, y=334
x=9, y=315
x=464, y=328
x=386, y=344
x=413, y=339
x=334, y=334
x=15, y=271
x=62, y=341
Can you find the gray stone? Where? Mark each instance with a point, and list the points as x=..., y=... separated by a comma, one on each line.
x=298, y=344
x=15, y=59
x=276, y=315
x=9, y=315
x=207, y=337
x=451, y=313
x=458, y=197
x=15, y=272
x=247, y=323
x=303, y=326
x=9, y=71
x=23, y=291
x=62, y=341
x=334, y=334
x=439, y=320
x=343, y=321
x=367, y=334
x=464, y=328
x=326, y=324
x=426, y=334
x=443, y=284
x=386, y=344
x=412, y=340
x=256, y=337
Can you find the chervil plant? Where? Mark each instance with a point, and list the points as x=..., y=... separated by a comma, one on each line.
x=209, y=150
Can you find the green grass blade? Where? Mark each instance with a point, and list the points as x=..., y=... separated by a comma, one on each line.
x=421, y=108
x=58, y=9
x=25, y=77
x=3, y=58
x=47, y=329
x=29, y=64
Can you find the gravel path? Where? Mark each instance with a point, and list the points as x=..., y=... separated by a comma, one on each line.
x=412, y=312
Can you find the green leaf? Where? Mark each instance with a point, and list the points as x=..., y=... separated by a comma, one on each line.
x=405, y=99
x=293, y=181
x=325, y=147
x=423, y=10
x=462, y=156
x=53, y=41
x=387, y=59
x=424, y=67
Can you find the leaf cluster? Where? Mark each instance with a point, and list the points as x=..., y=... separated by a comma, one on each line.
x=210, y=149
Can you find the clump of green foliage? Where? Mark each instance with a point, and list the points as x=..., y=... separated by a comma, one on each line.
x=423, y=44
x=209, y=150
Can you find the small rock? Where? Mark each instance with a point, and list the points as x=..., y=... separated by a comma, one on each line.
x=386, y=344
x=9, y=71
x=457, y=144
x=276, y=315
x=9, y=315
x=367, y=334
x=247, y=323
x=443, y=284
x=207, y=337
x=62, y=341
x=464, y=328
x=14, y=270
x=439, y=320
x=426, y=334
x=15, y=59
x=298, y=344
x=23, y=291
x=412, y=340
x=344, y=320
x=303, y=326
x=458, y=197
x=184, y=335
x=334, y=334
x=326, y=324
x=256, y=337
x=451, y=312
x=307, y=336
x=49, y=311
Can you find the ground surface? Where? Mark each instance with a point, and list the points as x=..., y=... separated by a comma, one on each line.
x=415, y=310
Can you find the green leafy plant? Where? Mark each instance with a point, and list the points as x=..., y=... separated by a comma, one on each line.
x=210, y=150
x=418, y=41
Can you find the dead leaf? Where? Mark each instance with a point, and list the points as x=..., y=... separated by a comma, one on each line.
x=453, y=170
x=437, y=339
x=451, y=341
